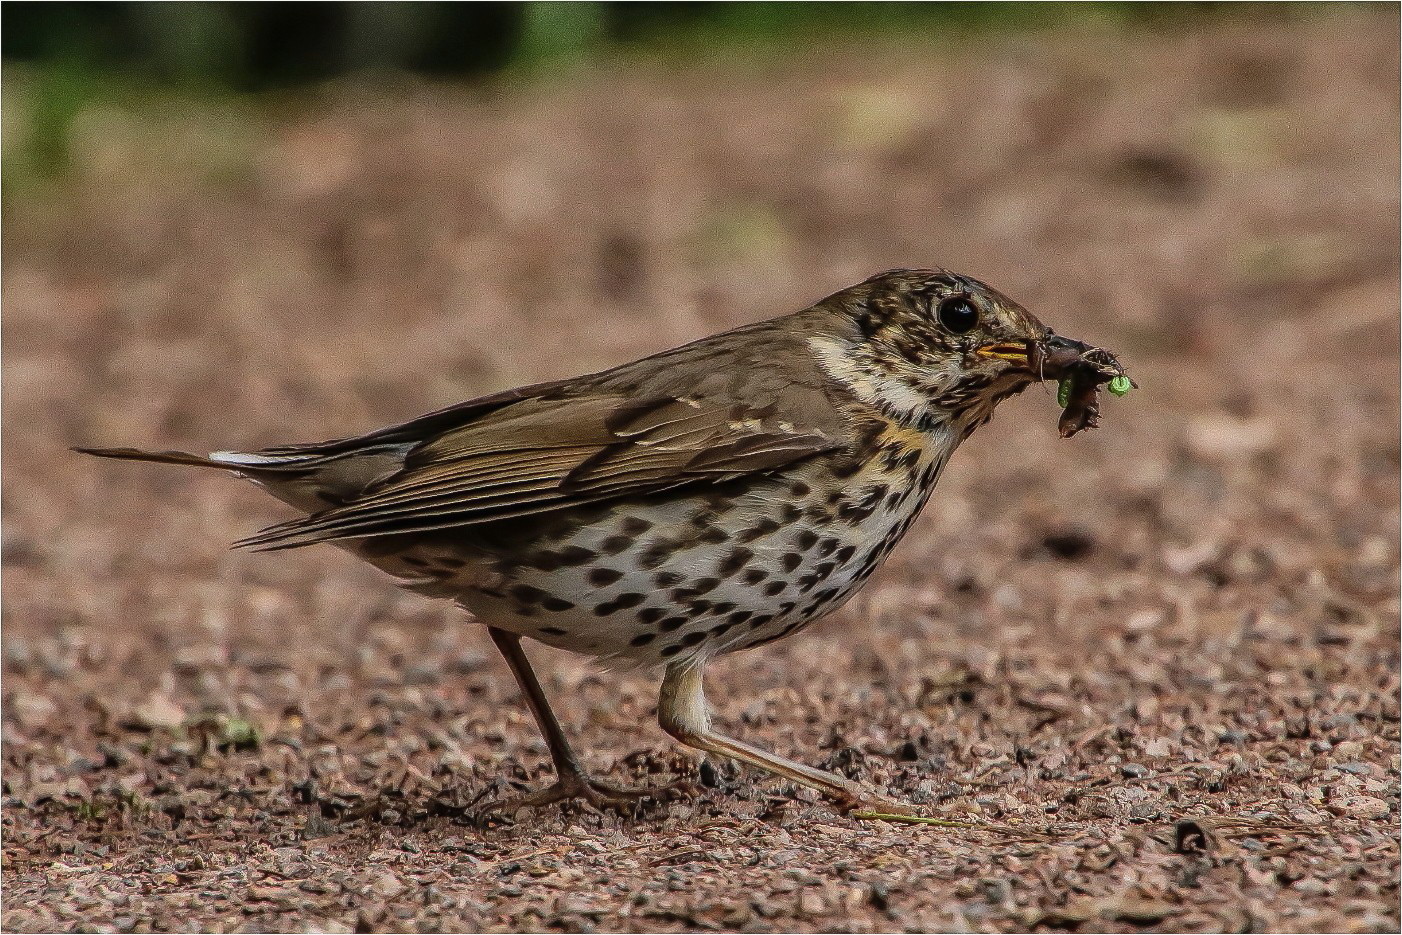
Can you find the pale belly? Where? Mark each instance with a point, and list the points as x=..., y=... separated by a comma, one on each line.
x=680, y=578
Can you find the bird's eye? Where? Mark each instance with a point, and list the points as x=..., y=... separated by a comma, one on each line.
x=958, y=314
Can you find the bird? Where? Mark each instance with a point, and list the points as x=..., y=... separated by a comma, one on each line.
x=702, y=500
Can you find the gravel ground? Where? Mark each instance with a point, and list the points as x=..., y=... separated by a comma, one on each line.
x=1155, y=667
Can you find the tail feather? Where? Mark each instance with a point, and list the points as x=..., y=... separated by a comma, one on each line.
x=309, y=480
x=162, y=457
x=246, y=462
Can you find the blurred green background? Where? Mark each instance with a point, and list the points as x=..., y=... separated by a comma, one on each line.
x=62, y=58
x=257, y=45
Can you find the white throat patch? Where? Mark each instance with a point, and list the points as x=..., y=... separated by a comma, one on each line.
x=876, y=389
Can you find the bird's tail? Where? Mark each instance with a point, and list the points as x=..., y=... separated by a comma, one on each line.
x=246, y=462
x=163, y=457
x=292, y=476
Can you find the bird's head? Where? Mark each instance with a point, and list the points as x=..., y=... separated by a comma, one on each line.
x=932, y=346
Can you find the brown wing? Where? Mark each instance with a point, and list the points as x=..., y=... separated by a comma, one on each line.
x=543, y=454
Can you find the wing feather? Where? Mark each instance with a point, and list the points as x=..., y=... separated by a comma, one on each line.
x=540, y=455
x=702, y=414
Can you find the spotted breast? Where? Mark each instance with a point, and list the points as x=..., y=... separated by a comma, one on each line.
x=658, y=579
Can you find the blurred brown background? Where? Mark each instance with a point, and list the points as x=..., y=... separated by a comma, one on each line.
x=1184, y=622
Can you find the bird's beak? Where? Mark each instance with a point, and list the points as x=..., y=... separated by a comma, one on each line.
x=1018, y=352
x=1048, y=355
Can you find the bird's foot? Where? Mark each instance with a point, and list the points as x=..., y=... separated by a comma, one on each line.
x=876, y=808
x=872, y=806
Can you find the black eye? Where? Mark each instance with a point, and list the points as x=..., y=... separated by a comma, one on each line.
x=958, y=314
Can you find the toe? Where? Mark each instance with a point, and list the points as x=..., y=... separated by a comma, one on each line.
x=878, y=805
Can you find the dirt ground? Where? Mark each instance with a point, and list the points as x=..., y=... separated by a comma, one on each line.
x=1155, y=666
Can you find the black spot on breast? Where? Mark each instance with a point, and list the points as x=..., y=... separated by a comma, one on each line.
x=724, y=607
x=808, y=581
x=760, y=529
x=775, y=588
x=634, y=526
x=665, y=579
x=574, y=555
x=720, y=629
x=853, y=514
x=844, y=467
x=827, y=547
x=556, y=604
x=671, y=650
x=791, y=560
x=807, y=539
x=622, y=602
x=754, y=576
x=672, y=623
x=603, y=577
x=713, y=535
x=736, y=560
x=800, y=489
x=615, y=544
x=544, y=560
x=691, y=639
x=869, y=436
x=642, y=639
x=845, y=553
x=651, y=614
x=705, y=585
x=739, y=617
x=657, y=553
x=526, y=594
x=760, y=621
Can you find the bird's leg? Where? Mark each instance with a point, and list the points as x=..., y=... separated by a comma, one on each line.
x=571, y=782
x=682, y=712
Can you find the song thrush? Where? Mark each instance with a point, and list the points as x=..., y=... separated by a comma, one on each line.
x=706, y=499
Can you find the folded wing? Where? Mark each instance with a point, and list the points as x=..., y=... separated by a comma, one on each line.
x=547, y=453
